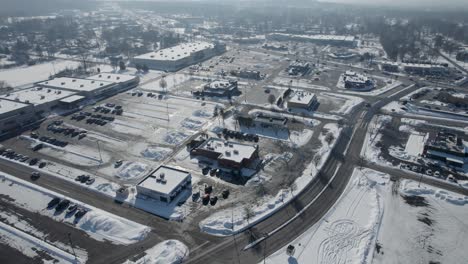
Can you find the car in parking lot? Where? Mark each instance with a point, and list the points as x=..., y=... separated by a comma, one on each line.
x=80, y=213
x=429, y=172
x=33, y=161
x=118, y=163
x=62, y=205
x=53, y=202
x=437, y=174
x=42, y=165
x=71, y=209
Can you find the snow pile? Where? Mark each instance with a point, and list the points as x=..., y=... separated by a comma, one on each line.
x=155, y=153
x=192, y=124
x=175, y=137
x=132, y=170
x=233, y=220
x=299, y=139
x=411, y=188
x=348, y=231
x=97, y=223
x=166, y=252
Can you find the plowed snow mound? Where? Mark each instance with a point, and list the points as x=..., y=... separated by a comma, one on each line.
x=132, y=170
x=155, y=153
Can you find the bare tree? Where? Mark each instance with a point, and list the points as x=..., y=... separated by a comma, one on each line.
x=329, y=138
x=163, y=84
x=271, y=99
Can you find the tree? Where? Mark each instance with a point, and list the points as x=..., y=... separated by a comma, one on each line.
x=145, y=68
x=329, y=138
x=248, y=213
x=271, y=99
x=163, y=84
x=138, y=67
x=122, y=65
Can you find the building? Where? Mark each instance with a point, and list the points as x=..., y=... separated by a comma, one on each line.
x=164, y=184
x=297, y=67
x=218, y=88
x=354, y=80
x=390, y=67
x=447, y=147
x=99, y=85
x=462, y=56
x=334, y=40
x=14, y=115
x=265, y=120
x=228, y=154
x=342, y=55
x=43, y=99
x=424, y=69
x=180, y=56
x=247, y=74
x=302, y=99
x=275, y=47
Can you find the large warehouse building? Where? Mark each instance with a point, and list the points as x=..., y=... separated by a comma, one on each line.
x=180, y=56
x=334, y=40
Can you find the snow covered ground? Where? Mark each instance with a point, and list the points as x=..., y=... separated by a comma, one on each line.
x=31, y=74
x=233, y=220
x=423, y=224
x=349, y=102
x=348, y=231
x=166, y=252
x=97, y=223
x=369, y=149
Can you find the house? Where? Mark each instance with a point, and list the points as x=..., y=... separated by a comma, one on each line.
x=164, y=184
x=302, y=99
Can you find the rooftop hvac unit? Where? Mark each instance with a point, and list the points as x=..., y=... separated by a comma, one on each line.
x=42, y=97
x=48, y=90
x=63, y=83
x=108, y=77
x=236, y=152
x=100, y=75
x=59, y=92
x=231, y=145
x=118, y=78
x=92, y=81
x=161, y=175
x=228, y=153
x=73, y=80
x=82, y=85
x=101, y=84
x=163, y=181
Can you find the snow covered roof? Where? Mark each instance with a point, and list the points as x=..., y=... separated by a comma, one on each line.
x=37, y=95
x=229, y=150
x=75, y=84
x=8, y=106
x=220, y=84
x=112, y=77
x=354, y=77
x=177, y=52
x=164, y=179
x=415, y=144
x=72, y=99
x=302, y=97
x=317, y=37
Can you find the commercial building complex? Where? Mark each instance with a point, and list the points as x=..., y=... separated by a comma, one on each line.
x=180, y=56
x=354, y=80
x=447, y=147
x=164, y=184
x=220, y=88
x=298, y=68
x=424, y=69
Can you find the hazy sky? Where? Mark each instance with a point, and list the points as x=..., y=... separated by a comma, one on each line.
x=422, y=3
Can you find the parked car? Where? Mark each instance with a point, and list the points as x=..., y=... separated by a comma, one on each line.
x=195, y=196
x=62, y=205
x=206, y=170
x=53, y=202
x=90, y=181
x=225, y=193
x=213, y=200
x=80, y=213
x=33, y=161
x=213, y=172
x=437, y=174
x=429, y=172
x=71, y=209
x=206, y=199
x=118, y=163
x=42, y=165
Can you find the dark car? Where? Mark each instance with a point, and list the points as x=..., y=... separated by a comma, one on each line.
x=213, y=200
x=225, y=193
x=84, y=178
x=195, y=196
x=35, y=175
x=213, y=172
x=206, y=170
x=71, y=209
x=33, y=161
x=62, y=205
x=80, y=213
x=206, y=199
x=53, y=202
x=42, y=165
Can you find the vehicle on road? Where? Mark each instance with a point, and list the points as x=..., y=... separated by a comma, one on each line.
x=35, y=175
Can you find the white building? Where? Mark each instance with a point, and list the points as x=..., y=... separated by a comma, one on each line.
x=43, y=99
x=180, y=56
x=14, y=114
x=164, y=184
x=218, y=88
x=103, y=84
x=302, y=99
x=354, y=80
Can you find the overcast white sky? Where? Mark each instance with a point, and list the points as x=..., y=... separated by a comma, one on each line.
x=406, y=2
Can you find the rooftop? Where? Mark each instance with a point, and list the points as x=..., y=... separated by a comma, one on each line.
x=8, y=106
x=229, y=150
x=220, y=84
x=112, y=77
x=354, y=77
x=318, y=37
x=37, y=95
x=75, y=84
x=302, y=97
x=164, y=179
x=72, y=99
x=177, y=52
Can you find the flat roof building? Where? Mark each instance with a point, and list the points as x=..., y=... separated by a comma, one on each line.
x=335, y=40
x=220, y=88
x=298, y=68
x=43, y=99
x=180, y=56
x=228, y=154
x=270, y=120
x=424, y=69
x=164, y=184
x=354, y=80
x=447, y=147
x=14, y=114
x=302, y=99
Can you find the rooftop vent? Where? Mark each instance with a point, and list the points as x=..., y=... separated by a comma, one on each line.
x=63, y=83
x=82, y=85
x=73, y=80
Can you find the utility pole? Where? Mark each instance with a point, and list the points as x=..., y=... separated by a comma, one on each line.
x=99, y=149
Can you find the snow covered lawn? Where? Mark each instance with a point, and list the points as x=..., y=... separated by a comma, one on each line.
x=233, y=220
x=423, y=224
x=369, y=150
x=348, y=102
x=166, y=252
x=31, y=74
x=348, y=231
x=97, y=223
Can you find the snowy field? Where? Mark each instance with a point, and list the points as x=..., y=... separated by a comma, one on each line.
x=428, y=226
x=31, y=74
x=169, y=251
x=98, y=224
x=369, y=149
x=232, y=220
x=299, y=83
x=347, y=102
x=348, y=231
